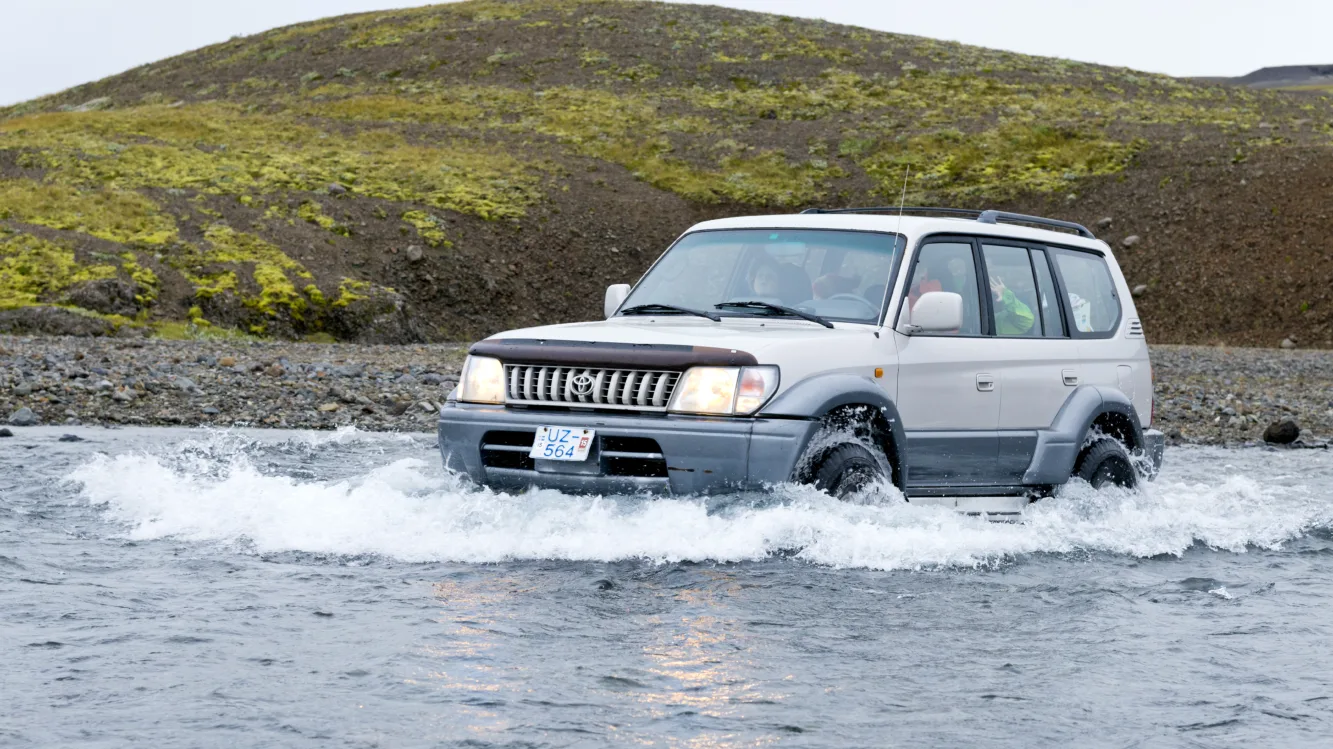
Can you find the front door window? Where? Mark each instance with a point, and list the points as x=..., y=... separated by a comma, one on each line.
x=948, y=266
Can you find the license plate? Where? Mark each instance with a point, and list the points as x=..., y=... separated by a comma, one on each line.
x=562, y=443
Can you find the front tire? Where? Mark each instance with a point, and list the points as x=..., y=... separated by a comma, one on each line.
x=1106, y=463
x=847, y=469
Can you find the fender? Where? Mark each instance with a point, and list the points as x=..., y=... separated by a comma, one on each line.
x=1058, y=447
x=816, y=396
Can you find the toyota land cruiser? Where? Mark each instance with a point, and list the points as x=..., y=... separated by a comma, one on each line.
x=976, y=359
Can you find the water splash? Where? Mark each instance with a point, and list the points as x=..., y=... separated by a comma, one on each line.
x=220, y=490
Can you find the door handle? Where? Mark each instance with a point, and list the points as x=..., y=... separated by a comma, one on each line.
x=1069, y=376
x=985, y=383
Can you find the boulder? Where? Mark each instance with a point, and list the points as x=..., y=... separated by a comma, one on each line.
x=414, y=254
x=1140, y=290
x=5, y=432
x=1104, y=223
x=53, y=321
x=1282, y=432
x=1130, y=241
x=110, y=296
x=24, y=417
x=1287, y=343
x=377, y=315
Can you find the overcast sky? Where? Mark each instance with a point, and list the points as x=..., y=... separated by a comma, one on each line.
x=50, y=45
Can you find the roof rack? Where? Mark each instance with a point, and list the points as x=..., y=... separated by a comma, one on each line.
x=985, y=217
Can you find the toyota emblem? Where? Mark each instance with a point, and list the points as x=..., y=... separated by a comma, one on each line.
x=582, y=384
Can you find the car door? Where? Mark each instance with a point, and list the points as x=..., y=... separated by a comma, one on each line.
x=948, y=387
x=1037, y=362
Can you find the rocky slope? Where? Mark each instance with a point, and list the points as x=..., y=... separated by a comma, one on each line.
x=443, y=172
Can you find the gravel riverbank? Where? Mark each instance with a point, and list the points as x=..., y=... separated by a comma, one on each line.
x=1204, y=394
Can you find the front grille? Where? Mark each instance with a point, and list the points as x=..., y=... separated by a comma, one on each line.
x=633, y=456
x=508, y=450
x=636, y=389
x=638, y=457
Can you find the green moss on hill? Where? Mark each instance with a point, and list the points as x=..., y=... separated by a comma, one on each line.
x=35, y=271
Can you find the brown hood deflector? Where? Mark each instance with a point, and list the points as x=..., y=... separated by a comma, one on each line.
x=603, y=354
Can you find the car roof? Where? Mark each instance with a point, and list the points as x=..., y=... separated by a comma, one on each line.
x=910, y=226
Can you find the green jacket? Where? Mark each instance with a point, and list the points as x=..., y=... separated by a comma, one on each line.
x=1012, y=317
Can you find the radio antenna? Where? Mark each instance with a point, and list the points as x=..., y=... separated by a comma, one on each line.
x=902, y=201
x=898, y=232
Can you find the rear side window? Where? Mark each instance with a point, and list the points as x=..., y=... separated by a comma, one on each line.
x=1013, y=290
x=1093, y=305
x=1053, y=325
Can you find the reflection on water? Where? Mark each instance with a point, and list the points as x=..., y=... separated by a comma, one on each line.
x=704, y=666
x=468, y=651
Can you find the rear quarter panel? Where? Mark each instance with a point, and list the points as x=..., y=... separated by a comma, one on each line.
x=1102, y=358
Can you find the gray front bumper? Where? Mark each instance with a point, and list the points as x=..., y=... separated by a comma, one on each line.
x=702, y=454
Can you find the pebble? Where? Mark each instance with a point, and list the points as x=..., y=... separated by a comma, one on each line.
x=1130, y=241
x=1140, y=290
x=186, y=384
x=1288, y=344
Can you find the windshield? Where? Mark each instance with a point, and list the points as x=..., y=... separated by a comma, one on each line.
x=839, y=275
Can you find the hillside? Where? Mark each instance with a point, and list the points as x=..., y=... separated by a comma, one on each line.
x=1289, y=77
x=444, y=172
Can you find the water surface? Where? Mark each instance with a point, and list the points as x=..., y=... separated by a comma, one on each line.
x=187, y=588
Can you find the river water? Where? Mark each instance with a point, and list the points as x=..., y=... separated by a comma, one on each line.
x=186, y=588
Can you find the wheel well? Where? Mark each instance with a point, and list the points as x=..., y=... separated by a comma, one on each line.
x=1117, y=425
x=869, y=424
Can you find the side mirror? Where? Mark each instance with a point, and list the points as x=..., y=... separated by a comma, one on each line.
x=934, y=312
x=615, y=296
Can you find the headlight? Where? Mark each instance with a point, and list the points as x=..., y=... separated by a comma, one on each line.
x=483, y=381
x=724, y=391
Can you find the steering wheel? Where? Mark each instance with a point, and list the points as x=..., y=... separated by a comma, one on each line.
x=854, y=298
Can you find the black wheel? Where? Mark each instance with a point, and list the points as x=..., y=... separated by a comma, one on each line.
x=847, y=469
x=1106, y=463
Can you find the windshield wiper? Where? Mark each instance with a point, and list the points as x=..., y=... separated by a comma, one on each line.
x=778, y=308
x=647, y=309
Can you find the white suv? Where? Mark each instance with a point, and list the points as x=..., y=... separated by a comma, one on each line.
x=975, y=359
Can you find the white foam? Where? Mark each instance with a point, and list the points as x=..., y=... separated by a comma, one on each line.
x=409, y=509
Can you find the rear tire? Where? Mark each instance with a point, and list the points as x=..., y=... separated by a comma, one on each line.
x=1106, y=463
x=847, y=469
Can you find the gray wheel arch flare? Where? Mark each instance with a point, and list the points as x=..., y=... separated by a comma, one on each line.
x=1058, y=447
x=817, y=396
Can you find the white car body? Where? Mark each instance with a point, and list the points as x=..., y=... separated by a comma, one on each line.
x=959, y=389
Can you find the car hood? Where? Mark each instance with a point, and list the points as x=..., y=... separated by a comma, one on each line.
x=766, y=338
